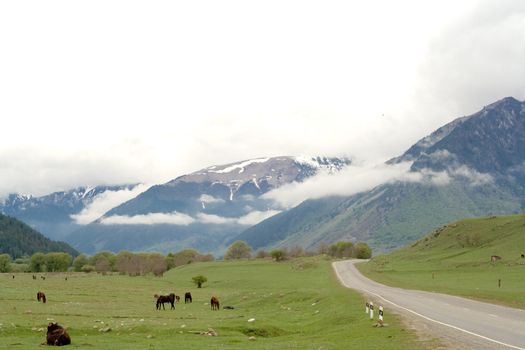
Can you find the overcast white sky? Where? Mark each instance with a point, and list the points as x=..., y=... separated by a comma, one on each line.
x=107, y=92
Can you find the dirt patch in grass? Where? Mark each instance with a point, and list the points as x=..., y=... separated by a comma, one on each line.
x=263, y=332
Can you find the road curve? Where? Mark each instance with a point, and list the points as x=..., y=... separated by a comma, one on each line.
x=494, y=325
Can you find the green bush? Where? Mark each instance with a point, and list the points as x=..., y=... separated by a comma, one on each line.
x=199, y=280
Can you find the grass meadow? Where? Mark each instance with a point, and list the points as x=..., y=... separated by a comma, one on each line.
x=456, y=259
x=297, y=304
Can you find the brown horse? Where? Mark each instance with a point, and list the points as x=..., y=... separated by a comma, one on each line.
x=40, y=296
x=57, y=335
x=166, y=299
x=214, y=303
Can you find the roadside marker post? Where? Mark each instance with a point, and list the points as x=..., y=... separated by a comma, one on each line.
x=371, y=310
x=366, y=307
x=380, y=314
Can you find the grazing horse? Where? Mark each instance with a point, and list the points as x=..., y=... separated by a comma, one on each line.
x=214, y=303
x=187, y=298
x=40, y=296
x=166, y=299
x=57, y=335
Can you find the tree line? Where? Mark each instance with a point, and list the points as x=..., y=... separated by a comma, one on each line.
x=136, y=264
x=342, y=249
x=125, y=262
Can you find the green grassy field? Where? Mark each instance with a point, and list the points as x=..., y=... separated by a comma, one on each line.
x=296, y=305
x=456, y=259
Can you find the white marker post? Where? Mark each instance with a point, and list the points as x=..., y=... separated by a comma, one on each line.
x=380, y=314
x=371, y=310
x=366, y=307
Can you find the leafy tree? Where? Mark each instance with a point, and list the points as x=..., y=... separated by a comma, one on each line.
x=341, y=250
x=199, y=280
x=5, y=262
x=57, y=261
x=238, y=250
x=278, y=254
x=362, y=251
x=80, y=261
x=107, y=261
x=38, y=262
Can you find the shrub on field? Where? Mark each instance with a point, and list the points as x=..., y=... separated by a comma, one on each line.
x=199, y=280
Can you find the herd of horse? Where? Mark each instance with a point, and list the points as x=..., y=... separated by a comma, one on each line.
x=172, y=299
x=58, y=336
x=161, y=300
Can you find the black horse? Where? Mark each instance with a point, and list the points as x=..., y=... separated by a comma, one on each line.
x=187, y=298
x=166, y=299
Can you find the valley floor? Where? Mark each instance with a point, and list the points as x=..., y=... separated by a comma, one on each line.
x=298, y=304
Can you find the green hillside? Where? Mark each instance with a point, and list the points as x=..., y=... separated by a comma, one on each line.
x=387, y=217
x=456, y=259
x=18, y=239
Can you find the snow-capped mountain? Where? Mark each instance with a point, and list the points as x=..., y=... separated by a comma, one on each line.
x=217, y=201
x=52, y=214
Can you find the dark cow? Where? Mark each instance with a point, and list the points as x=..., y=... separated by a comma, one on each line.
x=214, y=303
x=57, y=335
x=166, y=299
x=187, y=298
x=40, y=296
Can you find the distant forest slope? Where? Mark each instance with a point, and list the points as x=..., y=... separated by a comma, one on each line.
x=18, y=239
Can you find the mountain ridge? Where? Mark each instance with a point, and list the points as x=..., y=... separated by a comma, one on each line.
x=479, y=160
x=209, y=205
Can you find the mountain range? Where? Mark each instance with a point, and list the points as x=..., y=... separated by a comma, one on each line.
x=472, y=166
x=53, y=214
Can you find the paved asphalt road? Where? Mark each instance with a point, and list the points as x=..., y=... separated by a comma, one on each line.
x=494, y=325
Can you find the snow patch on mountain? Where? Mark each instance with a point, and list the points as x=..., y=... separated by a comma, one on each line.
x=241, y=166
